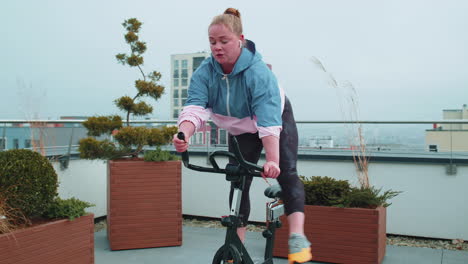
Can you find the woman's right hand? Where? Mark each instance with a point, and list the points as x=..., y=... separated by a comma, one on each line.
x=188, y=128
x=179, y=144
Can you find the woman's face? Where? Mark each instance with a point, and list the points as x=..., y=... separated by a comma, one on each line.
x=224, y=44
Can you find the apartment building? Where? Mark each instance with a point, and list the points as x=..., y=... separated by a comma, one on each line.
x=182, y=68
x=449, y=137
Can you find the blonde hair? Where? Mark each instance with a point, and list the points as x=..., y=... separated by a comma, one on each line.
x=231, y=19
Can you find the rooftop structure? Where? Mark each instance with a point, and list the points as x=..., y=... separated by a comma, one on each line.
x=449, y=137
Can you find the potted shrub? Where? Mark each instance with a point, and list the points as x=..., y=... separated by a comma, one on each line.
x=36, y=226
x=345, y=224
x=143, y=197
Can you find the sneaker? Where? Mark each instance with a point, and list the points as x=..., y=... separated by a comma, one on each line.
x=299, y=249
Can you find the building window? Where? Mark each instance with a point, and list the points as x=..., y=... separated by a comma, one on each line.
x=222, y=137
x=176, y=70
x=176, y=102
x=16, y=143
x=197, y=138
x=184, y=93
x=184, y=96
x=176, y=82
x=184, y=64
x=184, y=73
x=207, y=137
x=184, y=82
x=196, y=62
x=176, y=113
x=176, y=93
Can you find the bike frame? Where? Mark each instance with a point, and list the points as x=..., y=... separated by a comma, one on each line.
x=237, y=173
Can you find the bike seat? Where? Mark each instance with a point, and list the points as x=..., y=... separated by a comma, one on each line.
x=273, y=191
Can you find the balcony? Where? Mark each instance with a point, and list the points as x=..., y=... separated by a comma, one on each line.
x=433, y=181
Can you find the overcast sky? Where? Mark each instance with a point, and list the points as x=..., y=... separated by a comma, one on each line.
x=407, y=60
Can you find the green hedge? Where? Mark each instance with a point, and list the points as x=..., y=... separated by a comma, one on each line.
x=324, y=191
x=28, y=180
x=159, y=155
x=327, y=191
x=69, y=208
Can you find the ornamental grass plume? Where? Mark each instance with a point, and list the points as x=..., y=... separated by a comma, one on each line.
x=33, y=101
x=38, y=136
x=349, y=109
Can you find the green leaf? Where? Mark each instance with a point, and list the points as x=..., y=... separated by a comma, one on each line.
x=98, y=125
x=69, y=208
x=155, y=76
x=149, y=88
x=159, y=155
x=132, y=24
x=141, y=109
x=134, y=60
x=139, y=47
x=125, y=103
x=161, y=136
x=91, y=148
x=121, y=58
x=131, y=37
x=133, y=136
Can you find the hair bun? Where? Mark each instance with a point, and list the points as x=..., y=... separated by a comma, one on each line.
x=232, y=11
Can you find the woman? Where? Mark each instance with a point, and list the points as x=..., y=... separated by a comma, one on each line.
x=240, y=93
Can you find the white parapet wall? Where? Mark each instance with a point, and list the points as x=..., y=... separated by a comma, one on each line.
x=433, y=203
x=85, y=180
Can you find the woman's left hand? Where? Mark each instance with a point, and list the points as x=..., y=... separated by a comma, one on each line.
x=271, y=170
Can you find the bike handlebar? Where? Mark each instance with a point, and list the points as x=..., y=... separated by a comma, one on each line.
x=249, y=168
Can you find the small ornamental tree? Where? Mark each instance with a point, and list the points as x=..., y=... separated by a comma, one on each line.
x=130, y=140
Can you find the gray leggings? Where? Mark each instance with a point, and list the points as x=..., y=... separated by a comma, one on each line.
x=292, y=188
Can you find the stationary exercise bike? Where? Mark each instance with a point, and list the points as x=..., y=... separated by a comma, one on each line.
x=233, y=250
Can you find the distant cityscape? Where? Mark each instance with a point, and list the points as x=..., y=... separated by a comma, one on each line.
x=341, y=135
x=382, y=137
x=56, y=137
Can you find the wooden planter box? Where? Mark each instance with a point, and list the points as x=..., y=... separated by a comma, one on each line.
x=60, y=241
x=340, y=235
x=144, y=204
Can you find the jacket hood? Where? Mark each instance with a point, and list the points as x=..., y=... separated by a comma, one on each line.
x=247, y=58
